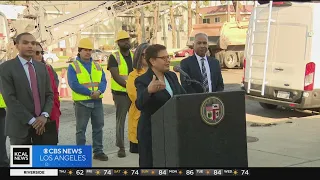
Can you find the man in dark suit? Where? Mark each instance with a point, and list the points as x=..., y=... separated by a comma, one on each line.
x=202, y=68
x=27, y=92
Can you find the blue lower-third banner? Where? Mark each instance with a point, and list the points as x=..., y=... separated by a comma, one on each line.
x=61, y=156
x=50, y=156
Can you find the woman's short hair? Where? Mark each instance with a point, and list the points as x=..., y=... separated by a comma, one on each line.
x=152, y=52
x=138, y=54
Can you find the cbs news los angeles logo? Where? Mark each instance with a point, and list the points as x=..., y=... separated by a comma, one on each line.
x=50, y=156
x=20, y=156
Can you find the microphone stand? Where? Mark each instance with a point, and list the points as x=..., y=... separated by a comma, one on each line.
x=189, y=81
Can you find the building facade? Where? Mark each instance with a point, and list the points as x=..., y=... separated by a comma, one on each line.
x=219, y=14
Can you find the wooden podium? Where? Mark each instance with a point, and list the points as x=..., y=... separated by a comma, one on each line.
x=201, y=130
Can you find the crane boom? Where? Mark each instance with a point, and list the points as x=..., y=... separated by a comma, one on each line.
x=49, y=32
x=4, y=39
x=53, y=31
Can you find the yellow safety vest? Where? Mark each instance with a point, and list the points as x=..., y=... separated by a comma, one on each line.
x=2, y=103
x=123, y=71
x=91, y=81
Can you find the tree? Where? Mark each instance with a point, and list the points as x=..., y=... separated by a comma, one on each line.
x=189, y=18
x=198, y=5
x=142, y=23
x=155, y=21
x=197, y=12
x=173, y=25
x=138, y=27
x=237, y=7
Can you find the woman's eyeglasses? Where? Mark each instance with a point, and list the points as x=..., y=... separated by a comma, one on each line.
x=39, y=52
x=165, y=58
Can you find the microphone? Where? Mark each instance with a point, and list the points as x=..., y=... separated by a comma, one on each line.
x=187, y=78
x=177, y=68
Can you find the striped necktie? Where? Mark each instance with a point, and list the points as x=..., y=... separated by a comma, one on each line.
x=204, y=75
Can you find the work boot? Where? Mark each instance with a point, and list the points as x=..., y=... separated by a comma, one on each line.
x=101, y=157
x=121, y=153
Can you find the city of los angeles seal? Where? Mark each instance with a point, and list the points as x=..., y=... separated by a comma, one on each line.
x=212, y=111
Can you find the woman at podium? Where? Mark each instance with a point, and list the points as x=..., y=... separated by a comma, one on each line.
x=139, y=67
x=154, y=89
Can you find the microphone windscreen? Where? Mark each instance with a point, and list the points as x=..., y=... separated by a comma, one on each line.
x=176, y=68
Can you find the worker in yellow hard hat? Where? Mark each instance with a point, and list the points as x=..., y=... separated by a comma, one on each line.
x=120, y=65
x=88, y=82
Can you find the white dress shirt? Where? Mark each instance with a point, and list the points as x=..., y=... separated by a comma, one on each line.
x=26, y=69
x=206, y=65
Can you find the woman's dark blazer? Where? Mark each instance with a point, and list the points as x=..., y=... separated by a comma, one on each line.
x=147, y=103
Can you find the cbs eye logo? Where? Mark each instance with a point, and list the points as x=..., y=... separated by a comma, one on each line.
x=20, y=156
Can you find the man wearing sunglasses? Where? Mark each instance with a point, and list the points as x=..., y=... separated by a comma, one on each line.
x=26, y=90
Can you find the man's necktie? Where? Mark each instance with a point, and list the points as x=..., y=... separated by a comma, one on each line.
x=204, y=75
x=34, y=88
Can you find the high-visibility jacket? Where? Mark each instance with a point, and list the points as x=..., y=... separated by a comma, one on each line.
x=2, y=103
x=91, y=81
x=123, y=71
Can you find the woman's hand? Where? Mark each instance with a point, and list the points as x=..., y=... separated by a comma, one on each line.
x=156, y=85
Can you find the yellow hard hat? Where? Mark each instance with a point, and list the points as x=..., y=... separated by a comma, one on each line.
x=85, y=43
x=122, y=35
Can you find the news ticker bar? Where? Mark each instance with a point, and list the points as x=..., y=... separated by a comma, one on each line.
x=129, y=172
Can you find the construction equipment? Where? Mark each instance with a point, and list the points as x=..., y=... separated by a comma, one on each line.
x=4, y=37
x=226, y=40
x=49, y=32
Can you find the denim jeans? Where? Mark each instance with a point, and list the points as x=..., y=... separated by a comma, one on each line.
x=83, y=114
x=4, y=160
